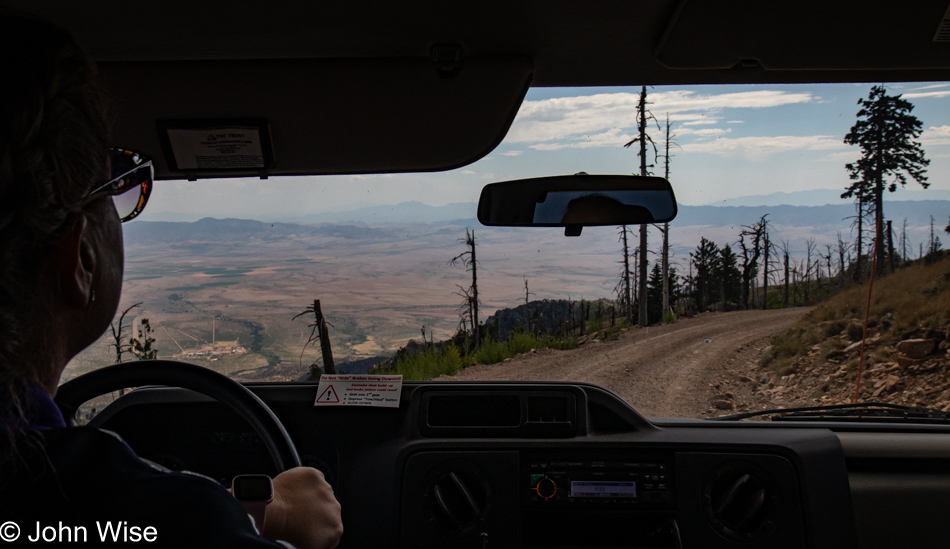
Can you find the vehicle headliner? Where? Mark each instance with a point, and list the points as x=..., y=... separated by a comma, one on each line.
x=352, y=87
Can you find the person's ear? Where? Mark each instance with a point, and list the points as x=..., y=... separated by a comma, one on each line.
x=76, y=262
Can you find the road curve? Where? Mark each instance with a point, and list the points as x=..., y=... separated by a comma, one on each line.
x=663, y=371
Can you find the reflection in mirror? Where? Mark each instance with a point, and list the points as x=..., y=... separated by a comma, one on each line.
x=610, y=207
x=576, y=201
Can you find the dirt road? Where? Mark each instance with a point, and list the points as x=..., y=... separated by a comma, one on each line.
x=686, y=369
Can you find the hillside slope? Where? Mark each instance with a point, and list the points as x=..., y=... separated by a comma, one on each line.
x=906, y=353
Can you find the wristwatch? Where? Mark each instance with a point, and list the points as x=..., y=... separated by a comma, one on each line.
x=253, y=492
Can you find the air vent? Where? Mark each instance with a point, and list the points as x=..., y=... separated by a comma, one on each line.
x=943, y=29
x=505, y=413
x=741, y=502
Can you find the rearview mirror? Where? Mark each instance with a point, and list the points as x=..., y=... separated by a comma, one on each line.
x=576, y=201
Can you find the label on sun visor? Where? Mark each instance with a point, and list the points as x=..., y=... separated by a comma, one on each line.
x=219, y=148
x=356, y=390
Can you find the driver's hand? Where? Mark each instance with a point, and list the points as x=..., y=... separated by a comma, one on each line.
x=304, y=511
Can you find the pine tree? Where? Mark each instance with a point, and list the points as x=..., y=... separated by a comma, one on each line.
x=728, y=278
x=886, y=131
x=704, y=259
x=655, y=295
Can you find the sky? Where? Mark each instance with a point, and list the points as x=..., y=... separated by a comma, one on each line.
x=730, y=141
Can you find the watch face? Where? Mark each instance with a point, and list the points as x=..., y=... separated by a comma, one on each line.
x=252, y=488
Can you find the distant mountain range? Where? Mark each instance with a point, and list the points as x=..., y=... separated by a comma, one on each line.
x=417, y=212
x=236, y=230
x=917, y=214
x=822, y=197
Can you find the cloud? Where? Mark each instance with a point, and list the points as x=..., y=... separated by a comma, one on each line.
x=707, y=132
x=844, y=156
x=584, y=120
x=930, y=87
x=610, y=138
x=936, y=135
x=488, y=176
x=942, y=93
x=467, y=172
x=512, y=153
x=757, y=147
x=735, y=122
x=703, y=121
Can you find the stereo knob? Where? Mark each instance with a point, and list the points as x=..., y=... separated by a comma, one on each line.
x=546, y=488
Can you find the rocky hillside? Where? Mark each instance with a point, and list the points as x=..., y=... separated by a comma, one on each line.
x=906, y=354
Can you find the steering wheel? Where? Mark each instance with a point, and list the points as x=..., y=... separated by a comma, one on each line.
x=232, y=394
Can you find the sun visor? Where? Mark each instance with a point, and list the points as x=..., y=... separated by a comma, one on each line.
x=804, y=35
x=315, y=117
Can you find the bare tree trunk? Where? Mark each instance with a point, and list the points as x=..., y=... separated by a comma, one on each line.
x=626, y=297
x=785, y=299
x=666, y=230
x=765, y=274
x=890, y=246
x=903, y=242
x=879, y=212
x=328, y=367
x=859, y=272
x=642, y=321
x=841, y=266
x=475, y=325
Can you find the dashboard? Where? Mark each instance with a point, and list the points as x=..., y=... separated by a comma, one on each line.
x=567, y=465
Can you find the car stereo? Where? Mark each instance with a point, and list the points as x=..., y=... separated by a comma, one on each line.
x=605, y=480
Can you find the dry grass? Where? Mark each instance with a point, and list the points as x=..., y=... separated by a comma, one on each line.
x=917, y=297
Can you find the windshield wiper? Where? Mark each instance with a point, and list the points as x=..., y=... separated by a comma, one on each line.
x=869, y=411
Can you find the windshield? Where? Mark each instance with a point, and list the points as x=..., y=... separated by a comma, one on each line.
x=767, y=266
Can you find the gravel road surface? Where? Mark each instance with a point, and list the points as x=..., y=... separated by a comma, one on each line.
x=673, y=370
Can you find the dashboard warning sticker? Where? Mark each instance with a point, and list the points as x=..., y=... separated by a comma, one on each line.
x=357, y=390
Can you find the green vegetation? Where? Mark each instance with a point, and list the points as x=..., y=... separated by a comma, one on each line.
x=446, y=359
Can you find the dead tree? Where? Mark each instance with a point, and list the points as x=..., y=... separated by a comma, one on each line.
x=750, y=255
x=665, y=257
x=858, y=220
x=842, y=252
x=810, y=249
x=464, y=309
x=527, y=305
x=903, y=242
x=624, y=288
x=642, y=139
x=122, y=348
x=467, y=259
x=319, y=333
x=117, y=330
x=766, y=249
x=890, y=246
x=784, y=249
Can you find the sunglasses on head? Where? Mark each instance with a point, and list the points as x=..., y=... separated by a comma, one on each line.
x=131, y=171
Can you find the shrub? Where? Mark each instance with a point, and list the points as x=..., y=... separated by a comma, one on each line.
x=491, y=352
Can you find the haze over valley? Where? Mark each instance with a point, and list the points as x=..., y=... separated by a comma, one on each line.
x=380, y=278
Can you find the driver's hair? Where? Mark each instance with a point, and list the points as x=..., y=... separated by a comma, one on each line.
x=54, y=143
